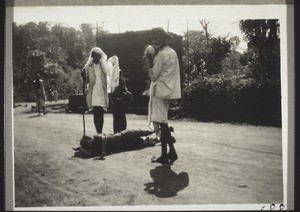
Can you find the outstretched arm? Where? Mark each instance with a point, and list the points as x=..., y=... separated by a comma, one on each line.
x=156, y=69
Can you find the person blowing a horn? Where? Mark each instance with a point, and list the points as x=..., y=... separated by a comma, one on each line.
x=165, y=88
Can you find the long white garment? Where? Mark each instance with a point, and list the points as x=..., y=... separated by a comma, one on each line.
x=167, y=75
x=165, y=86
x=113, y=75
x=98, y=95
x=158, y=110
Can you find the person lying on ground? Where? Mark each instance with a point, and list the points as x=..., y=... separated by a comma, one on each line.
x=109, y=143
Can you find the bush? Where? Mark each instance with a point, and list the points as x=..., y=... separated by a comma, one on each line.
x=232, y=99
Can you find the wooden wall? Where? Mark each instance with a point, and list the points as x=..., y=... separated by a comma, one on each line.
x=129, y=48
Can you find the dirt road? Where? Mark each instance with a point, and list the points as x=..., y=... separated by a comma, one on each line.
x=218, y=164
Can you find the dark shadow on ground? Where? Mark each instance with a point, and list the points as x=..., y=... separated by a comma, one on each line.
x=35, y=116
x=79, y=154
x=29, y=109
x=19, y=105
x=166, y=183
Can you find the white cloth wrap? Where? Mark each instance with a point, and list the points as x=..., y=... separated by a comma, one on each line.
x=113, y=76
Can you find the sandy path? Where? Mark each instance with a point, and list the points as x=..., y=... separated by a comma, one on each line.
x=218, y=164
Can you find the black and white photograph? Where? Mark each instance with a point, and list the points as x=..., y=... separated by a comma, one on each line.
x=149, y=107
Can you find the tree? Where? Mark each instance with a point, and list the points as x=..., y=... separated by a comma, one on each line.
x=55, y=52
x=219, y=48
x=72, y=43
x=234, y=63
x=194, y=43
x=205, y=58
x=264, y=45
x=33, y=47
x=88, y=36
x=204, y=25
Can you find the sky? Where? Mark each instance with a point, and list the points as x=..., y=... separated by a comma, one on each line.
x=175, y=18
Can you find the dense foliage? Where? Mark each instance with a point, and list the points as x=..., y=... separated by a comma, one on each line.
x=56, y=52
x=264, y=45
x=232, y=99
x=220, y=83
x=223, y=84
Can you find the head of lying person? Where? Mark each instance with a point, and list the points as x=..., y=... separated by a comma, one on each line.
x=89, y=143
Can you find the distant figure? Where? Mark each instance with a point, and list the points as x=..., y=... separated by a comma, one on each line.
x=40, y=94
x=55, y=95
x=53, y=90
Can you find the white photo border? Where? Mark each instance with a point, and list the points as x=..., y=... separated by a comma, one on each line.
x=281, y=11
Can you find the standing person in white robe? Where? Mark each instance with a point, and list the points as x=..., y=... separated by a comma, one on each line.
x=95, y=72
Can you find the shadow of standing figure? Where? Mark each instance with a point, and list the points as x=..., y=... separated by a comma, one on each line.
x=166, y=183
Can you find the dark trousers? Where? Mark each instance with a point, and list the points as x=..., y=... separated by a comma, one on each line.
x=119, y=122
x=166, y=140
x=98, y=118
x=40, y=100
